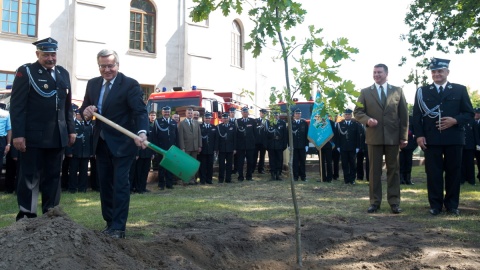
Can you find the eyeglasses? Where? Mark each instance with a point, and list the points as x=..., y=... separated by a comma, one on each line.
x=107, y=66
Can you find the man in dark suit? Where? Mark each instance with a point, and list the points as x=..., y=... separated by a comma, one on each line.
x=362, y=155
x=120, y=99
x=347, y=138
x=246, y=128
x=327, y=154
x=277, y=137
x=164, y=135
x=209, y=138
x=41, y=137
x=468, y=153
x=261, y=142
x=233, y=121
x=226, y=144
x=300, y=145
x=383, y=111
x=441, y=110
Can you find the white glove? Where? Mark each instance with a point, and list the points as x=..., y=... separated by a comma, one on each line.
x=356, y=150
x=306, y=148
x=338, y=148
x=478, y=147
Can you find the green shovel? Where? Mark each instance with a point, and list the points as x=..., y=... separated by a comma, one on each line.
x=174, y=160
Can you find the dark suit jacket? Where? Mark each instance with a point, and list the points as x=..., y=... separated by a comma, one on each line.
x=124, y=106
x=227, y=138
x=209, y=138
x=300, y=134
x=455, y=103
x=349, y=141
x=42, y=121
x=246, y=133
x=164, y=133
x=392, y=120
x=277, y=135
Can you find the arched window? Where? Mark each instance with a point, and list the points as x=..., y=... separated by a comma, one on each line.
x=142, y=26
x=237, y=45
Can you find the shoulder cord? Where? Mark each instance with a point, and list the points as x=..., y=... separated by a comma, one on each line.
x=163, y=129
x=220, y=134
x=38, y=90
x=432, y=113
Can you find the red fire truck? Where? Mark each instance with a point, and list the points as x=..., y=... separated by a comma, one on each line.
x=207, y=100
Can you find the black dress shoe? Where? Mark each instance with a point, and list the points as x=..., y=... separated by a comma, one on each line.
x=395, y=209
x=261, y=172
x=373, y=208
x=434, y=211
x=117, y=234
x=453, y=211
x=105, y=230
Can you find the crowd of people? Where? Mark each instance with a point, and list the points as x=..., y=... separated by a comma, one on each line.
x=57, y=148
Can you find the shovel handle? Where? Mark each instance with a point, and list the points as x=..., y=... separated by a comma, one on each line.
x=128, y=133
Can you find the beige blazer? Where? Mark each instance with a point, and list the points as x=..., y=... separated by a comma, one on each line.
x=189, y=139
x=392, y=120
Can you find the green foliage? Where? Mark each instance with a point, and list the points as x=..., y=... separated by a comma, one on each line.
x=474, y=97
x=442, y=25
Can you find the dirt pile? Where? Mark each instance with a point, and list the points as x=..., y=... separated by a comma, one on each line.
x=54, y=241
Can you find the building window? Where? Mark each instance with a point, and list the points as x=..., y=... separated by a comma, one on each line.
x=6, y=78
x=147, y=90
x=237, y=46
x=19, y=17
x=142, y=26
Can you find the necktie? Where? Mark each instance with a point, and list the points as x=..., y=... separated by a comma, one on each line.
x=348, y=123
x=440, y=90
x=105, y=92
x=384, y=97
x=190, y=122
x=51, y=73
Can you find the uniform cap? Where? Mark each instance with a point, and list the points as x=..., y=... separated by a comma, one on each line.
x=46, y=45
x=477, y=110
x=245, y=109
x=298, y=111
x=166, y=108
x=438, y=63
x=263, y=111
x=208, y=115
x=225, y=115
x=348, y=111
x=232, y=109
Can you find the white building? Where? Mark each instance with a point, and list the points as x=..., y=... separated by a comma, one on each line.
x=157, y=43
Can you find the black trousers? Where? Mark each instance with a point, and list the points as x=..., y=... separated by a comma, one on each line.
x=299, y=157
x=336, y=163
x=275, y=159
x=225, y=166
x=165, y=178
x=113, y=173
x=250, y=156
x=39, y=172
x=65, y=172
x=349, y=166
x=260, y=151
x=468, y=166
x=78, y=174
x=94, y=183
x=11, y=172
x=206, y=168
x=142, y=167
x=440, y=159
x=406, y=156
x=327, y=169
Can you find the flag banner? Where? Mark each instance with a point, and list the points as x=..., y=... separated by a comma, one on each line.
x=320, y=130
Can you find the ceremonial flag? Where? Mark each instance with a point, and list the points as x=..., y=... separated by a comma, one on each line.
x=320, y=130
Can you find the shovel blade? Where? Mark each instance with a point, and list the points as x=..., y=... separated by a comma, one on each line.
x=180, y=163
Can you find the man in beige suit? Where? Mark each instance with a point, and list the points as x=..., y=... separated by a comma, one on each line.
x=384, y=113
x=190, y=136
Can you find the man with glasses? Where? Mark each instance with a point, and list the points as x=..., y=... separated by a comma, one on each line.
x=120, y=99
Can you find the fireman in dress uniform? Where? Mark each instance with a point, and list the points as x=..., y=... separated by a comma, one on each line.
x=300, y=145
x=41, y=138
x=347, y=136
x=261, y=142
x=439, y=113
x=225, y=145
x=206, y=156
x=277, y=137
x=246, y=128
x=164, y=135
x=468, y=153
x=233, y=122
x=80, y=153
